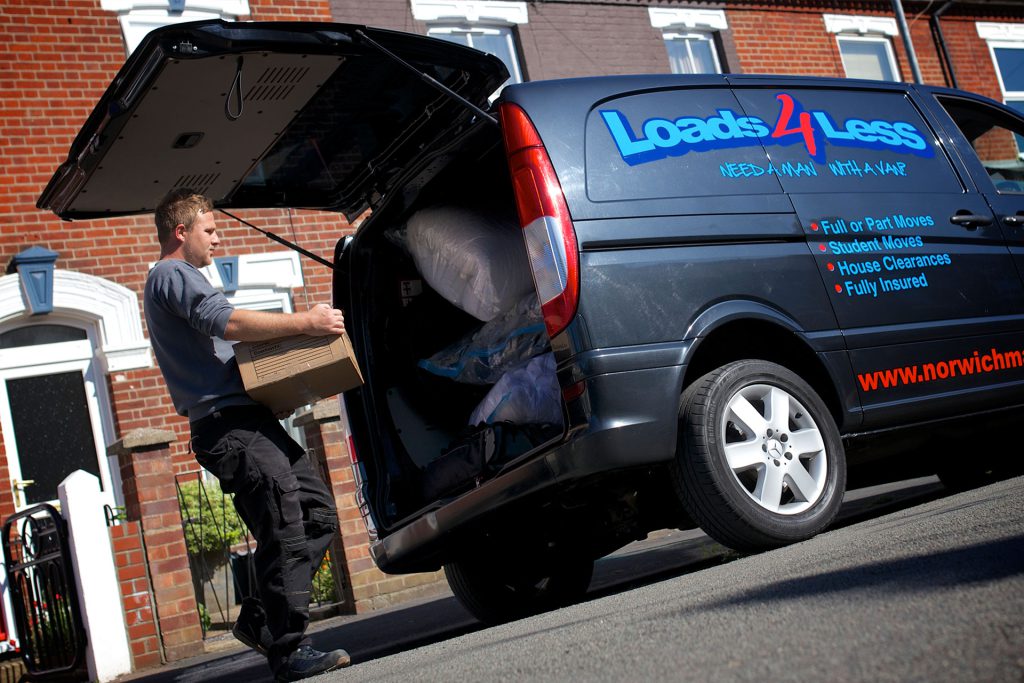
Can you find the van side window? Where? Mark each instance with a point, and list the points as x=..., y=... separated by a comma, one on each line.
x=826, y=140
x=673, y=144
x=997, y=139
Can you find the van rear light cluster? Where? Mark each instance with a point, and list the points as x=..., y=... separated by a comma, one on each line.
x=544, y=217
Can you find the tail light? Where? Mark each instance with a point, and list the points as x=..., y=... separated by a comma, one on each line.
x=544, y=217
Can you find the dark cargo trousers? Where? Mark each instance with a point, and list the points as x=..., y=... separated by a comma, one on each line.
x=285, y=505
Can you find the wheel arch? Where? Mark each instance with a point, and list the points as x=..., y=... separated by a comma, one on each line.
x=738, y=330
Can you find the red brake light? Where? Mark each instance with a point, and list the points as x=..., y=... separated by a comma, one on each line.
x=544, y=217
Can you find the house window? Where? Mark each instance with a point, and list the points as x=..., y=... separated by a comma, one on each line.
x=139, y=17
x=485, y=26
x=1006, y=45
x=689, y=36
x=865, y=46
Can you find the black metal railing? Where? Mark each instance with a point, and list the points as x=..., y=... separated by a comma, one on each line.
x=43, y=595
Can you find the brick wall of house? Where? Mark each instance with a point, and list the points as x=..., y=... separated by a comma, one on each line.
x=391, y=14
x=565, y=40
x=569, y=39
x=136, y=595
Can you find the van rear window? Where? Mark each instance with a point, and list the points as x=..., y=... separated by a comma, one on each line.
x=849, y=141
x=674, y=143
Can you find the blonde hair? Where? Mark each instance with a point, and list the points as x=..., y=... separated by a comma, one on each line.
x=180, y=206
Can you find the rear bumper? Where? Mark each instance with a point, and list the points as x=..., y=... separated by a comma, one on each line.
x=631, y=422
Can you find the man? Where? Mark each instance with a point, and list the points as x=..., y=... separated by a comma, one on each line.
x=282, y=501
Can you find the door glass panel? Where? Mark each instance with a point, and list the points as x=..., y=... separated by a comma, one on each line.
x=31, y=335
x=52, y=431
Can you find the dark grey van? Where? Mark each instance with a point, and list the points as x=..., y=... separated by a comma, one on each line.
x=745, y=281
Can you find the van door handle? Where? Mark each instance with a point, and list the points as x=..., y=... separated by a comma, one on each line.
x=970, y=220
x=1013, y=221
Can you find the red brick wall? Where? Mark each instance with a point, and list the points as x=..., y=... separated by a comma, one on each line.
x=136, y=595
x=794, y=41
x=392, y=14
x=564, y=39
x=807, y=49
x=568, y=40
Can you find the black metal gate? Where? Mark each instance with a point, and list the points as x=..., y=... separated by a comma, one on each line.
x=43, y=595
x=220, y=553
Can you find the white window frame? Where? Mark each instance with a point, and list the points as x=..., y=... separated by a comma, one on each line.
x=670, y=36
x=476, y=17
x=1005, y=36
x=139, y=17
x=864, y=29
x=993, y=45
x=515, y=71
x=681, y=24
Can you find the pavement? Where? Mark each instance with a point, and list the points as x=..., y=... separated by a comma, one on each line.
x=663, y=554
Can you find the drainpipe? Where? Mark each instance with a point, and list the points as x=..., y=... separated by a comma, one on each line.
x=941, y=40
x=901, y=20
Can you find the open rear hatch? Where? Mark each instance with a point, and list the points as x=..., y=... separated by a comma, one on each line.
x=303, y=115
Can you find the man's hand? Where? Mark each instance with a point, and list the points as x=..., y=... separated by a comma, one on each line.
x=250, y=326
x=323, y=320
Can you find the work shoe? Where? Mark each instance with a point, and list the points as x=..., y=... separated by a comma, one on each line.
x=306, y=662
x=250, y=627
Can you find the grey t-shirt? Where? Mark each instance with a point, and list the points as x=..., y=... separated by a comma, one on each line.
x=187, y=318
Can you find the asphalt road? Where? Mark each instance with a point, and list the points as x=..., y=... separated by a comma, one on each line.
x=932, y=591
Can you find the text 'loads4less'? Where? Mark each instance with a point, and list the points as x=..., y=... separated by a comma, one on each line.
x=660, y=137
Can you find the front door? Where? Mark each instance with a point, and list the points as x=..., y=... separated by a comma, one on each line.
x=50, y=411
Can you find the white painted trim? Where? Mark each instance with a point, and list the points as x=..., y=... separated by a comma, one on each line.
x=889, y=52
x=274, y=269
x=76, y=356
x=92, y=555
x=139, y=17
x=233, y=7
x=262, y=300
x=110, y=307
x=852, y=23
x=1006, y=45
x=472, y=11
x=699, y=19
x=992, y=31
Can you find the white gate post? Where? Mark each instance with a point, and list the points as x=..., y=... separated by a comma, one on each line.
x=99, y=596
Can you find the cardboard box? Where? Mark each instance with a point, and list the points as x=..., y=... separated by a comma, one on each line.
x=289, y=372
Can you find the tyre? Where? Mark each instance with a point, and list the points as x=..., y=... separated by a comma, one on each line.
x=496, y=592
x=760, y=463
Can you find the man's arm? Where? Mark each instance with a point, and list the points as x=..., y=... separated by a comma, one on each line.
x=250, y=326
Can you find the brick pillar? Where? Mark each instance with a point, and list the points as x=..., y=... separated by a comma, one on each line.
x=136, y=595
x=366, y=587
x=152, y=500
